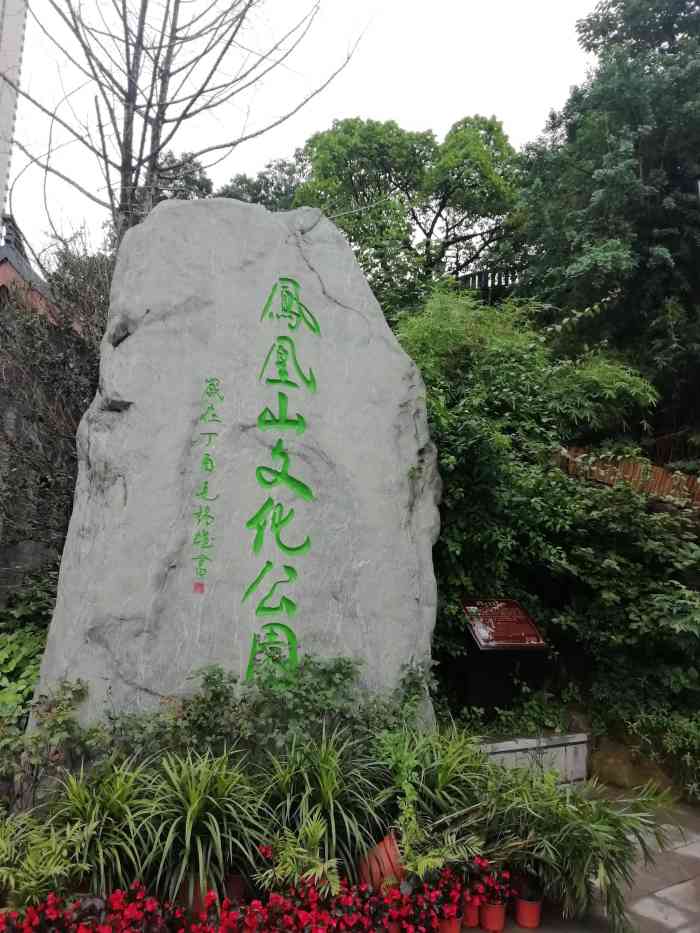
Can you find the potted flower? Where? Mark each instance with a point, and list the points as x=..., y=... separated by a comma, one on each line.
x=528, y=901
x=471, y=904
x=497, y=890
x=421, y=912
x=446, y=898
x=389, y=908
x=472, y=891
x=356, y=905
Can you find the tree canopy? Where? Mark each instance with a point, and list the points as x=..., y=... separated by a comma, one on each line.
x=414, y=209
x=274, y=187
x=597, y=569
x=640, y=25
x=611, y=200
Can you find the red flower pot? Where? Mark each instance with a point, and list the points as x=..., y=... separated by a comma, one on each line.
x=470, y=917
x=235, y=887
x=382, y=863
x=196, y=904
x=450, y=925
x=493, y=917
x=528, y=914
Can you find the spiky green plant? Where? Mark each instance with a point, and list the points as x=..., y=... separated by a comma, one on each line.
x=205, y=819
x=580, y=845
x=445, y=767
x=36, y=859
x=333, y=779
x=299, y=855
x=427, y=770
x=108, y=810
x=599, y=844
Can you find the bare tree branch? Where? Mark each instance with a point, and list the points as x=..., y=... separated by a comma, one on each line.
x=157, y=66
x=235, y=87
x=57, y=44
x=232, y=144
x=75, y=25
x=107, y=177
x=54, y=171
x=188, y=108
x=52, y=116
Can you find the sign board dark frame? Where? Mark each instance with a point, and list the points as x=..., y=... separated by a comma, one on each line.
x=502, y=625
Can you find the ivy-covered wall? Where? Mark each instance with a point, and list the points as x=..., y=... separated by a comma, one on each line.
x=48, y=375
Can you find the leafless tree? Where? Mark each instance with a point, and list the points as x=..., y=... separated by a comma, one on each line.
x=153, y=66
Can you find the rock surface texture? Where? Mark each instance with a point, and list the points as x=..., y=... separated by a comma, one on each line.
x=255, y=471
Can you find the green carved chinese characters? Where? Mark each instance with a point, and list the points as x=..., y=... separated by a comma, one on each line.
x=272, y=513
x=271, y=591
x=266, y=606
x=269, y=421
x=278, y=644
x=202, y=538
x=280, y=360
x=268, y=477
x=284, y=304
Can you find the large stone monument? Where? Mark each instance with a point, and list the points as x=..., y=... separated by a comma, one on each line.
x=255, y=472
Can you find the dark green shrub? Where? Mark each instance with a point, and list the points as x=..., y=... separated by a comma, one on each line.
x=600, y=572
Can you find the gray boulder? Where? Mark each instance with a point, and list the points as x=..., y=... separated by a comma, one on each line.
x=255, y=472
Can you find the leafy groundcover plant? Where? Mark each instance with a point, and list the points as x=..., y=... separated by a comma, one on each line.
x=35, y=859
x=304, y=813
x=607, y=577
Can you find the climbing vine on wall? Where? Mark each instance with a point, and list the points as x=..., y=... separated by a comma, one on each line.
x=48, y=376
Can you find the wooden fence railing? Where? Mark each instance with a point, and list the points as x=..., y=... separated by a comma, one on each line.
x=654, y=480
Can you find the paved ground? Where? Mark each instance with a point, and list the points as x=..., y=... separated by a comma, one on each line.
x=664, y=898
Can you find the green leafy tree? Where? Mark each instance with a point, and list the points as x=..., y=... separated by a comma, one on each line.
x=639, y=25
x=415, y=210
x=611, y=207
x=274, y=187
x=182, y=177
x=599, y=570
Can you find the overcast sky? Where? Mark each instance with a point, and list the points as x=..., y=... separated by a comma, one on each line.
x=424, y=65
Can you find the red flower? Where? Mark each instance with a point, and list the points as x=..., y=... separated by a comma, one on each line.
x=116, y=900
x=133, y=913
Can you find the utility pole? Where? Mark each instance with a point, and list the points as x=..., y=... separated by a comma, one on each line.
x=13, y=20
x=15, y=268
